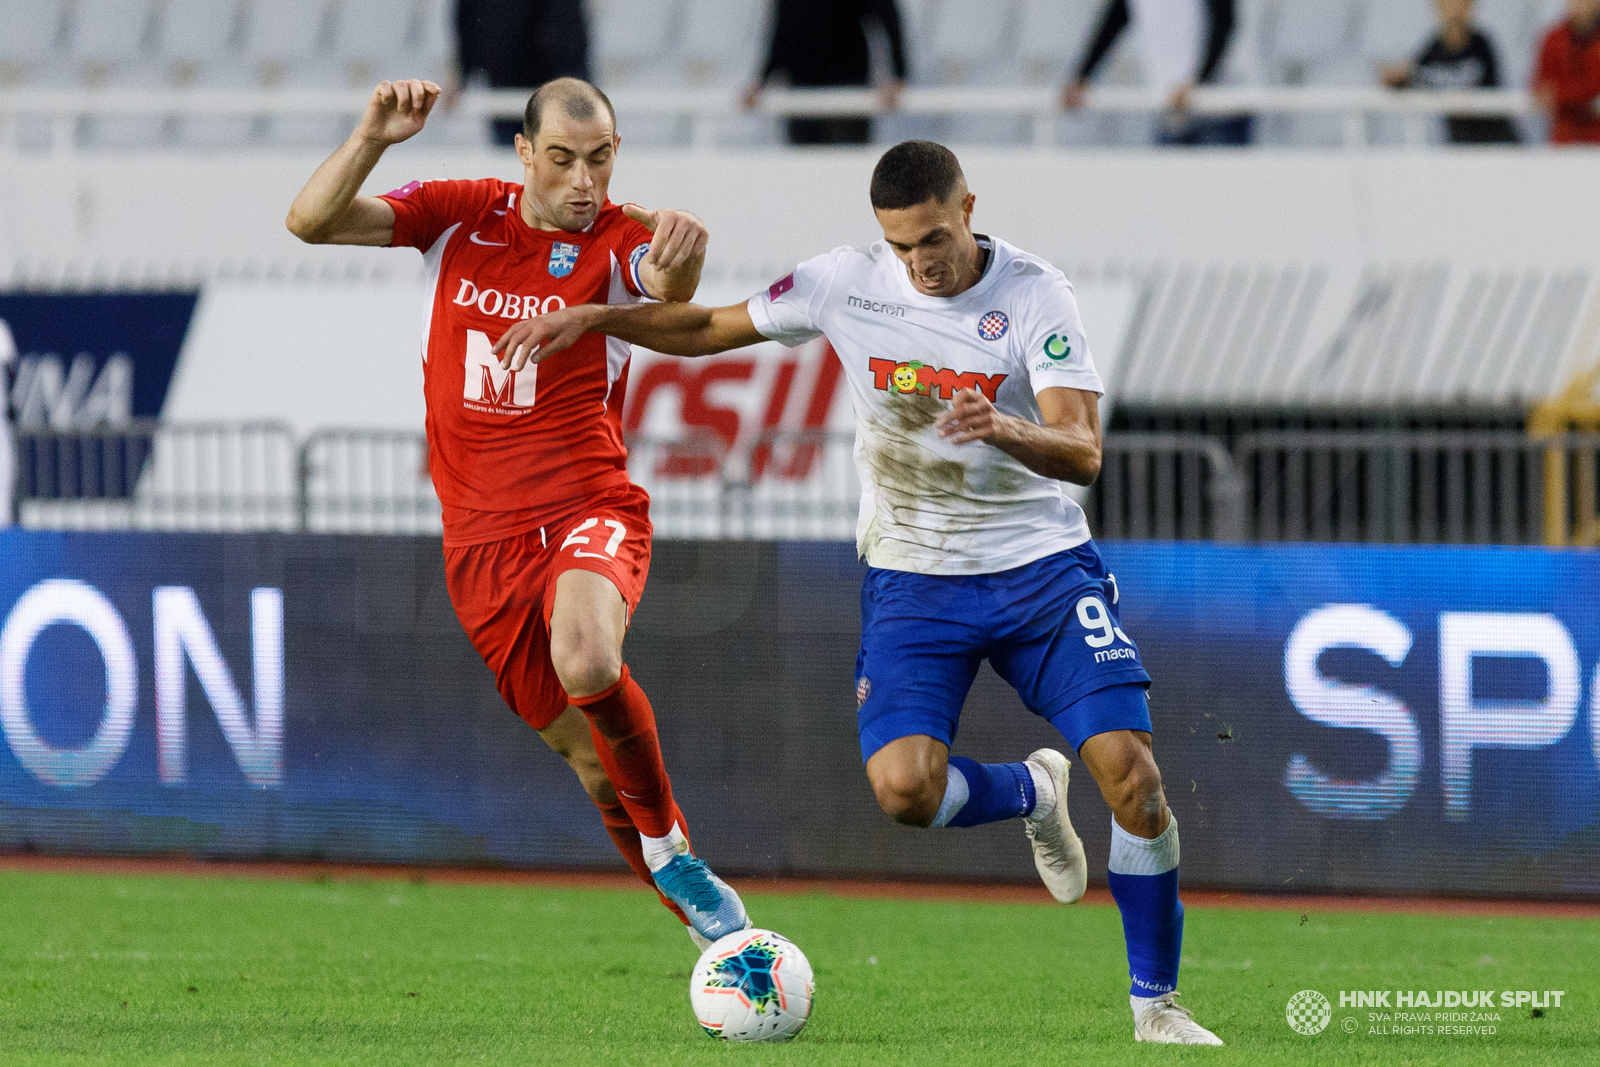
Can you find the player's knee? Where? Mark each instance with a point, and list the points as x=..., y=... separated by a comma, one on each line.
x=1137, y=797
x=907, y=796
x=583, y=665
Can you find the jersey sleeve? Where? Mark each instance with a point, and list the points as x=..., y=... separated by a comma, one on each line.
x=424, y=210
x=631, y=243
x=787, y=311
x=1056, y=350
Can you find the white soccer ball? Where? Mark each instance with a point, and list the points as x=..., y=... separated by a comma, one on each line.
x=754, y=985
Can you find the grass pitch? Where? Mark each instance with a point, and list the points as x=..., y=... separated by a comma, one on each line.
x=173, y=970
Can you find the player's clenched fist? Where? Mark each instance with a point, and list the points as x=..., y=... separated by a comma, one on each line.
x=971, y=418
x=542, y=336
x=397, y=110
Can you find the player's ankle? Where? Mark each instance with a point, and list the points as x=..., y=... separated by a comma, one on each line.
x=1044, y=792
x=660, y=851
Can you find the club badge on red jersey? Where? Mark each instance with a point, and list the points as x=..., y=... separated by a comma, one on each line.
x=563, y=257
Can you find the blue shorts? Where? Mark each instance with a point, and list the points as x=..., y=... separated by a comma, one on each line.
x=1050, y=628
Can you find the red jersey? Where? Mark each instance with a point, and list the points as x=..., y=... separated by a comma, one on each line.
x=509, y=450
x=1570, y=65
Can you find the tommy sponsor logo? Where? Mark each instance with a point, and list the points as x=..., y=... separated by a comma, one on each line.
x=489, y=389
x=915, y=376
x=896, y=310
x=505, y=305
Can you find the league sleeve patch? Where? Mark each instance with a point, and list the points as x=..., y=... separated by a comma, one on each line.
x=634, y=259
x=781, y=286
x=404, y=191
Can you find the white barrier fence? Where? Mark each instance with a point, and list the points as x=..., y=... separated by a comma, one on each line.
x=1478, y=487
x=704, y=110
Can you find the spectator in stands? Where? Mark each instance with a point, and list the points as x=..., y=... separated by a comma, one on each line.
x=1182, y=44
x=1566, y=81
x=1460, y=56
x=817, y=43
x=518, y=44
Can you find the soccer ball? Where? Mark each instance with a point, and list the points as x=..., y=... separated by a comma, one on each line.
x=754, y=985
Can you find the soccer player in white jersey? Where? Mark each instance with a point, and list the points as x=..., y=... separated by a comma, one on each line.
x=975, y=398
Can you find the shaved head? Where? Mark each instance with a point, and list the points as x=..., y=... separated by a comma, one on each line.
x=575, y=98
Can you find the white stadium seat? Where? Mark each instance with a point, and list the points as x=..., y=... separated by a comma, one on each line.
x=32, y=31
x=1315, y=41
x=197, y=43
x=195, y=33
x=1051, y=37
x=435, y=47
x=109, y=42
x=1505, y=23
x=724, y=41
x=635, y=42
x=376, y=40
x=1395, y=30
x=284, y=32
x=111, y=31
x=969, y=45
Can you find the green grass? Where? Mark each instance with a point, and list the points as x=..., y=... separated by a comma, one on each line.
x=147, y=970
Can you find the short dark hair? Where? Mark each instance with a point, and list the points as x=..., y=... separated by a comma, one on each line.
x=575, y=95
x=912, y=173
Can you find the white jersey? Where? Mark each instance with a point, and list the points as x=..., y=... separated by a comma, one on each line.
x=927, y=505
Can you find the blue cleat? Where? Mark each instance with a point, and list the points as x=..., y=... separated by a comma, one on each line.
x=713, y=908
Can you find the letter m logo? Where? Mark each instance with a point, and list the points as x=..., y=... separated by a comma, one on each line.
x=486, y=383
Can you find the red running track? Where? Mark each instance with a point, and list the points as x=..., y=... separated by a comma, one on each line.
x=976, y=892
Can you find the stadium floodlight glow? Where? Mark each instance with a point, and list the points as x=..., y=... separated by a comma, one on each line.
x=1466, y=723
x=1351, y=707
x=181, y=630
x=52, y=602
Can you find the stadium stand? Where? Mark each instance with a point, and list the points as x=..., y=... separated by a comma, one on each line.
x=670, y=45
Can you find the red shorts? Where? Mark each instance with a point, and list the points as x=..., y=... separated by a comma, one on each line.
x=504, y=591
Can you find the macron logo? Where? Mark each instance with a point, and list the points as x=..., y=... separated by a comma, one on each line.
x=897, y=310
x=781, y=286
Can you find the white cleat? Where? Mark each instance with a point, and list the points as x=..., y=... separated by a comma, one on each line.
x=1166, y=1022
x=1057, y=849
x=701, y=941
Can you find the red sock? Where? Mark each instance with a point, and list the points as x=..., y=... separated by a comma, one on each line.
x=624, y=730
x=625, y=836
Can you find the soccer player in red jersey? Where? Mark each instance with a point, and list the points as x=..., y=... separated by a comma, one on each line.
x=546, y=540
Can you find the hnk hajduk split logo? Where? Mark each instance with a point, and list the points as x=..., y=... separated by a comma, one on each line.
x=1308, y=1012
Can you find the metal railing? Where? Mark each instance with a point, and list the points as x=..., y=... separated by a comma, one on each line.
x=1482, y=487
x=166, y=476
x=1398, y=486
x=1167, y=486
x=704, y=109
x=365, y=481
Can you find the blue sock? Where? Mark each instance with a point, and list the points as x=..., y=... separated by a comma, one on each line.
x=976, y=793
x=1144, y=882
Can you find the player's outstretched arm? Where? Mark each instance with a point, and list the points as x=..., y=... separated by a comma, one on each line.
x=328, y=210
x=1066, y=447
x=675, y=329
x=671, y=269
